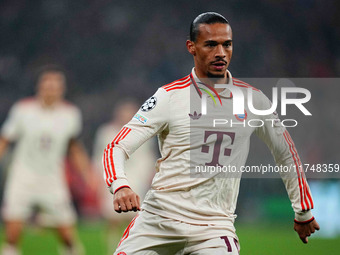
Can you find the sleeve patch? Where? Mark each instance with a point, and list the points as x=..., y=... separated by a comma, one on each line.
x=149, y=104
x=140, y=118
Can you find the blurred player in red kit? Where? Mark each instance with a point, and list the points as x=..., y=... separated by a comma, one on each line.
x=182, y=214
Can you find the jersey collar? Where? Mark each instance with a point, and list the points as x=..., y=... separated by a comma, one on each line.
x=199, y=85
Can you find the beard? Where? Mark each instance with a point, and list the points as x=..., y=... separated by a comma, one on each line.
x=218, y=76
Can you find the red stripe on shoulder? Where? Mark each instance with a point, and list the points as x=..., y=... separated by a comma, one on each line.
x=185, y=85
x=177, y=82
x=243, y=84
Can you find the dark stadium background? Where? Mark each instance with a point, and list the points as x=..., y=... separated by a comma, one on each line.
x=117, y=49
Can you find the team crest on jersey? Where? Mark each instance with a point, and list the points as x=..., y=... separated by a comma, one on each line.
x=140, y=118
x=149, y=104
x=242, y=117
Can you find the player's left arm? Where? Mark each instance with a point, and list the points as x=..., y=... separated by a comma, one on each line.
x=282, y=147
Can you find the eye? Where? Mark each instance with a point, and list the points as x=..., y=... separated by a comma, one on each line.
x=227, y=44
x=211, y=44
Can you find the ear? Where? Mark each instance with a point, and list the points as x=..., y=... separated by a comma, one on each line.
x=191, y=47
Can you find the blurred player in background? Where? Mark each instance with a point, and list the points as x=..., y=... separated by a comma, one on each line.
x=182, y=214
x=139, y=167
x=45, y=128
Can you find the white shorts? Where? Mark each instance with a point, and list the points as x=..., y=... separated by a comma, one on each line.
x=54, y=206
x=150, y=234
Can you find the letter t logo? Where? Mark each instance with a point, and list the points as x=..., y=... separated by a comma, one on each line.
x=217, y=146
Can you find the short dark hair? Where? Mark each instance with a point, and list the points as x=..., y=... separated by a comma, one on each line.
x=49, y=69
x=205, y=18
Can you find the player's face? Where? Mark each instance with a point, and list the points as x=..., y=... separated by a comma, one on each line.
x=51, y=87
x=212, y=50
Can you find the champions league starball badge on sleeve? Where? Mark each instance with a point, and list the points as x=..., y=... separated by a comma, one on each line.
x=149, y=104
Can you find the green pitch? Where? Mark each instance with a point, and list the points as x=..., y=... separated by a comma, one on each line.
x=275, y=240
x=255, y=240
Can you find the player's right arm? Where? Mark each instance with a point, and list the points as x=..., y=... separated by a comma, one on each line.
x=151, y=119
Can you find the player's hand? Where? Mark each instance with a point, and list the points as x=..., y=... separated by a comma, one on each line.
x=306, y=229
x=125, y=200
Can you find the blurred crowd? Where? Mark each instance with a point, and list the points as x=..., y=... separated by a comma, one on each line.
x=113, y=49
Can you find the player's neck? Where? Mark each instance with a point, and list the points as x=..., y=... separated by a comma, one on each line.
x=48, y=103
x=211, y=81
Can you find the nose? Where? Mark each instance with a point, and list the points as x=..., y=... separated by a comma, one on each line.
x=220, y=52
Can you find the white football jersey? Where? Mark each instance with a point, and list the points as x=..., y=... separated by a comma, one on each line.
x=188, y=140
x=42, y=136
